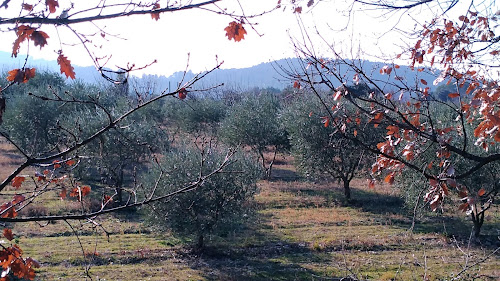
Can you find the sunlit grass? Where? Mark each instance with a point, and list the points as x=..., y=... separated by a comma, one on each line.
x=302, y=231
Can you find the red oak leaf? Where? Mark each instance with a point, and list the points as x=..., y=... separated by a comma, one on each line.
x=156, y=16
x=39, y=37
x=106, y=200
x=63, y=193
x=18, y=199
x=65, y=65
x=52, y=4
x=7, y=233
x=85, y=190
x=481, y=192
x=23, y=32
x=8, y=210
x=17, y=181
x=75, y=192
x=371, y=183
x=235, y=31
x=182, y=93
x=27, y=7
x=389, y=178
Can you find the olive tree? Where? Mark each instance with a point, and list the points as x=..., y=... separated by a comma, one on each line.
x=195, y=115
x=254, y=123
x=220, y=202
x=320, y=150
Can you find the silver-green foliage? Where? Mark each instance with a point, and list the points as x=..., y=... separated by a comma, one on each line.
x=33, y=122
x=254, y=122
x=219, y=204
x=195, y=115
x=321, y=151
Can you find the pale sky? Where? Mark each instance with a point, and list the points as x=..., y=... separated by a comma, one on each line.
x=202, y=34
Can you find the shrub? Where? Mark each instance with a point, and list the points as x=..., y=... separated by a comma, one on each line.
x=218, y=205
x=196, y=115
x=319, y=150
x=254, y=123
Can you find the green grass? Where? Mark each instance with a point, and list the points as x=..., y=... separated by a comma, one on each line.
x=303, y=231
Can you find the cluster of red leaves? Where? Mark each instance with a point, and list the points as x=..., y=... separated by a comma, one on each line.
x=450, y=42
x=297, y=9
x=79, y=192
x=236, y=31
x=12, y=261
x=483, y=95
x=454, y=38
x=8, y=210
x=21, y=75
x=25, y=32
x=386, y=70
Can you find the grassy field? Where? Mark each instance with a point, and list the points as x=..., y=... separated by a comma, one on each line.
x=302, y=231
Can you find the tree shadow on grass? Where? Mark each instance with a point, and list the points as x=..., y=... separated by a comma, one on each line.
x=377, y=203
x=258, y=255
x=286, y=175
x=367, y=201
x=391, y=208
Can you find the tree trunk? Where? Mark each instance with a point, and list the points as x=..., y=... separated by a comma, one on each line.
x=347, y=189
x=200, y=245
x=478, y=220
x=119, y=185
x=270, y=167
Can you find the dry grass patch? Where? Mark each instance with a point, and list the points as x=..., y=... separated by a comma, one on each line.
x=303, y=231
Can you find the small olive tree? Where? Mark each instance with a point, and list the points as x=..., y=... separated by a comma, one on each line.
x=33, y=122
x=320, y=150
x=195, y=115
x=221, y=202
x=254, y=123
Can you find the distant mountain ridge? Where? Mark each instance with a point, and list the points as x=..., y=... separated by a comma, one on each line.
x=263, y=75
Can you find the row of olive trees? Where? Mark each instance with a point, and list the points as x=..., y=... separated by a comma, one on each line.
x=304, y=124
x=41, y=125
x=206, y=128
x=140, y=158
x=199, y=130
x=269, y=123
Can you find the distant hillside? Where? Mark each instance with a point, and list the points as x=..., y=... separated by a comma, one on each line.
x=264, y=75
x=87, y=74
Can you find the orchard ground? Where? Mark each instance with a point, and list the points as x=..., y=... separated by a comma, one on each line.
x=302, y=231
